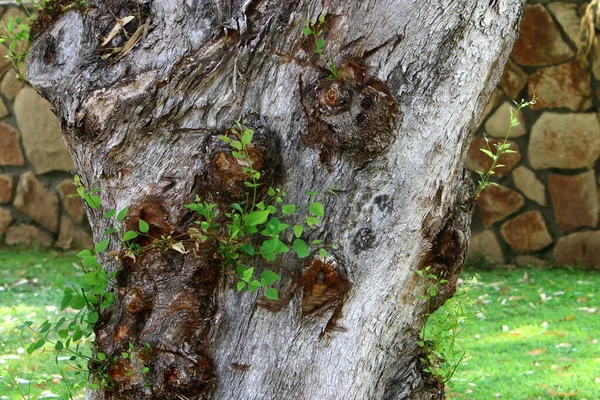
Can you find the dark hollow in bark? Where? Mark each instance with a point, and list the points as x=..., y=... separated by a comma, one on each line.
x=392, y=132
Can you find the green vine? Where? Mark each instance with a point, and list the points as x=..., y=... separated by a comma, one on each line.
x=313, y=29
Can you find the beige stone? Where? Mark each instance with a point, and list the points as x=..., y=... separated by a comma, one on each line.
x=497, y=125
x=525, y=180
x=566, y=85
x=579, y=248
x=5, y=220
x=526, y=233
x=574, y=200
x=564, y=141
x=528, y=261
x=513, y=80
x=27, y=235
x=10, y=149
x=42, y=136
x=498, y=202
x=3, y=110
x=72, y=205
x=11, y=85
x=486, y=243
x=566, y=15
x=540, y=41
x=71, y=236
x=479, y=161
x=37, y=202
x=5, y=64
x=6, y=188
x=495, y=99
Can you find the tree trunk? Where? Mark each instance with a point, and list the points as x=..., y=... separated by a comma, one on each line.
x=389, y=137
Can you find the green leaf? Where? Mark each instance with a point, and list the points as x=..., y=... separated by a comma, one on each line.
x=256, y=217
x=101, y=246
x=110, y=214
x=77, y=302
x=320, y=43
x=129, y=235
x=37, y=345
x=66, y=300
x=272, y=294
x=288, y=209
x=298, y=229
x=307, y=31
x=254, y=285
x=301, y=248
x=271, y=191
x=241, y=286
x=84, y=253
x=237, y=207
x=59, y=345
x=92, y=317
x=92, y=200
x=236, y=144
x=487, y=152
x=248, y=249
x=322, y=18
x=224, y=139
x=110, y=231
x=101, y=356
x=316, y=208
x=312, y=221
x=143, y=225
x=247, y=136
x=323, y=253
x=247, y=274
x=268, y=277
x=122, y=214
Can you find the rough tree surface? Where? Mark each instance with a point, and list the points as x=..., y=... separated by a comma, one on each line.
x=390, y=137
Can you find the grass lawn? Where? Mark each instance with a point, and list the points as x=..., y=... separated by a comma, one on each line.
x=539, y=339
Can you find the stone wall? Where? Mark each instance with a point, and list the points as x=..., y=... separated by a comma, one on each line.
x=546, y=207
x=35, y=169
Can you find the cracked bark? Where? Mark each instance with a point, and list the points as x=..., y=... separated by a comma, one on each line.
x=391, y=139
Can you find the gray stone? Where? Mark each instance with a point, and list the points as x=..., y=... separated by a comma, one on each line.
x=27, y=236
x=38, y=203
x=42, y=136
x=564, y=141
x=525, y=180
x=497, y=125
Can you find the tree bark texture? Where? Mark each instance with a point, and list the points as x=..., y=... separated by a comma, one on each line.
x=390, y=137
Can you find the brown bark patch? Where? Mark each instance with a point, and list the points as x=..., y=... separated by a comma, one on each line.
x=355, y=114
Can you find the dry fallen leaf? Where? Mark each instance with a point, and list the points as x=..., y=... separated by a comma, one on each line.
x=537, y=352
x=569, y=318
x=115, y=30
x=561, y=345
x=140, y=32
x=551, y=392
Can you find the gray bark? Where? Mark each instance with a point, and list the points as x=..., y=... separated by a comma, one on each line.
x=143, y=129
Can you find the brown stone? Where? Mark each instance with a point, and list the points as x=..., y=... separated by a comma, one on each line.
x=486, y=243
x=10, y=150
x=42, y=136
x=525, y=180
x=5, y=64
x=6, y=188
x=479, y=161
x=566, y=15
x=10, y=85
x=527, y=232
x=581, y=248
x=497, y=125
x=513, y=80
x=540, y=41
x=5, y=220
x=574, y=200
x=37, y=202
x=564, y=141
x=72, y=205
x=71, y=236
x=566, y=85
x=3, y=110
x=498, y=202
x=27, y=235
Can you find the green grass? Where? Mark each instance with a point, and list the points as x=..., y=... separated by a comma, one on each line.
x=26, y=279
x=539, y=339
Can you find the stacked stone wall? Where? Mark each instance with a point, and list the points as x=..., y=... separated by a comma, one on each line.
x=35, y=168
x=546, y=207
